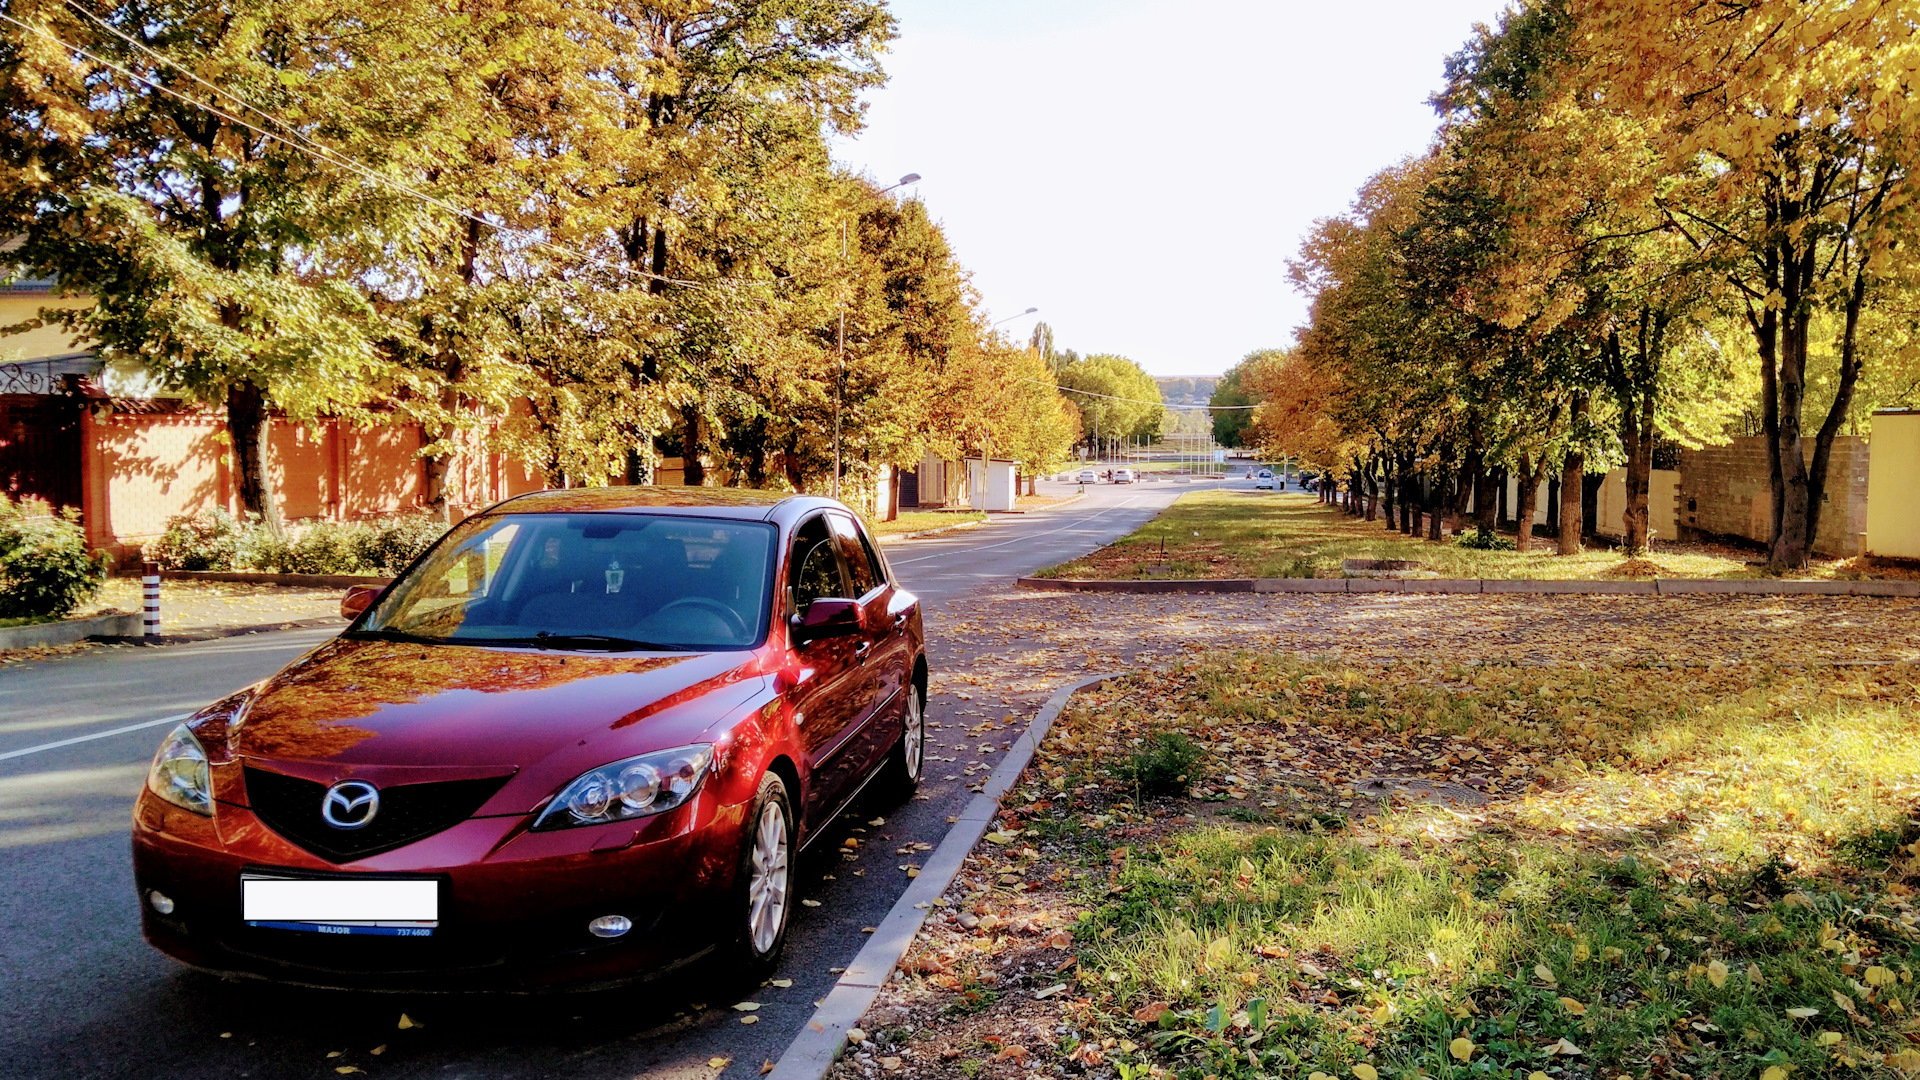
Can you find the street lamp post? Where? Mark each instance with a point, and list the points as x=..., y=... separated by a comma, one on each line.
x=840, y=345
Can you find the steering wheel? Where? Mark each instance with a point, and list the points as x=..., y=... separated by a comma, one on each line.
x=727, y=614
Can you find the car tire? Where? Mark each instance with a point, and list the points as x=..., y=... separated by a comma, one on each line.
x=764, y=894
x=908, y=758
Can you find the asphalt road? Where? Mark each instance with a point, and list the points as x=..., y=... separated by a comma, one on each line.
x=81, y=995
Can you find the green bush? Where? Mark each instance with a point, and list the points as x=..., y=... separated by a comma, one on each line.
x=1163, y=765
x=1485, y=540
x=45, y=568
x=388, y=546
x=205, y=541
x=216, y=540
x=320, y=548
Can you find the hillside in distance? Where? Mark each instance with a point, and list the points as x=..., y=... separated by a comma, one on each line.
x=1187, y=391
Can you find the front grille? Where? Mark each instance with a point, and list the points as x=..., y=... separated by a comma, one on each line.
x=291, y=807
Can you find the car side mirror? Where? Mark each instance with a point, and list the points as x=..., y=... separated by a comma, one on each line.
x=829, y=616
x=358, y=599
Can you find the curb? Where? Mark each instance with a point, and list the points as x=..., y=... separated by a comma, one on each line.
x=821, y=1042
x=249, y=577
x=324, y=623
x=1656, y=587
x=69, y=631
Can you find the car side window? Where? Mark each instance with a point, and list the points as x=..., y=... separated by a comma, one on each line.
x=862, y=563
x=815, y=566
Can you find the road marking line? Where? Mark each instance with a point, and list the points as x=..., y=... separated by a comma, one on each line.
x=174, y=719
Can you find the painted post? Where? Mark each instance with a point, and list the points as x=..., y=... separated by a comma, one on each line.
x=150, y=589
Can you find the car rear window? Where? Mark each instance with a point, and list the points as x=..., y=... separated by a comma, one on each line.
x=572, y=580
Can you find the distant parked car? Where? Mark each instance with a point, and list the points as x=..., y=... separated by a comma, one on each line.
x=1123, y=476
x=1263, y=482
x=1088, y=476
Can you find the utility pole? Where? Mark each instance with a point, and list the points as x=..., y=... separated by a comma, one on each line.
x=840, y=343
x=839, y=377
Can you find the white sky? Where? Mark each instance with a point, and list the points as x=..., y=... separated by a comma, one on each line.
x=1141, y=170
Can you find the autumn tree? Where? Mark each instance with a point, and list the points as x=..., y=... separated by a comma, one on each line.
x=209, y=176
x=1787, y=142
x=1116, y=397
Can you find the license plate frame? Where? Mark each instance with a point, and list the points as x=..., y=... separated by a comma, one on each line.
x=346, y=904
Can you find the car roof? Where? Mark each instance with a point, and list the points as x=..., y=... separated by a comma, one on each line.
x=742, y=503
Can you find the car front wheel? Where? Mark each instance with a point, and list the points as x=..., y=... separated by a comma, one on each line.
x=763, y=899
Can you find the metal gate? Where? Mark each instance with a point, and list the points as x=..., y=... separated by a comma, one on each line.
x=40, y=447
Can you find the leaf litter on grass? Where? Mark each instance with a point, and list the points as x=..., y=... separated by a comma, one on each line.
x=1666, y=874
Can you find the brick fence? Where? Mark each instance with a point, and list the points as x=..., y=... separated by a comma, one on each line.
x=1725, y=491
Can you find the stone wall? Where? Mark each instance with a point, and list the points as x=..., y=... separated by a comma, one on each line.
x=1725, y=491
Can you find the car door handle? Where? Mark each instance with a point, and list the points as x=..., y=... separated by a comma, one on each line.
x=860, y=651
x=900, y=621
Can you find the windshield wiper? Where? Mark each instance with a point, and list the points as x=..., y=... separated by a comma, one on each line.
x=548, y=640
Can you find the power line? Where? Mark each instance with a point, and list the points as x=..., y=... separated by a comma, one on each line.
x=1140, y=401
x=316, y=150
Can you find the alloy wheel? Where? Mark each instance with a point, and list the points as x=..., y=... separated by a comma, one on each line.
x=767, y=891
x=914, y=735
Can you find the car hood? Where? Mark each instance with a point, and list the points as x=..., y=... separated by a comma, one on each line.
x=361, y=707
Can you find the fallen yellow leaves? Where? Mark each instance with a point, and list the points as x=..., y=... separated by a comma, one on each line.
x=1462, y=1048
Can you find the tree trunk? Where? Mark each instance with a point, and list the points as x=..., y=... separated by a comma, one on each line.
x=1572, y=473
x=1387, y=480
x=1436, y=505
x=695, y=471
x=247, y=422
x=1850, y=364
x=790, y=461
x=452, y=369
x=1531, y=471
x=1789, y=549
x=1553, y=504
x=1409, y=496
x=1486, y=505
x=893, y=492
x=1572, y=470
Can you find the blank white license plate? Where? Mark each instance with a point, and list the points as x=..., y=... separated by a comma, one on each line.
x=386, y=906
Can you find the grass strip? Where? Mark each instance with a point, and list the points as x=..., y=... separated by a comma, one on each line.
x=1263, y=534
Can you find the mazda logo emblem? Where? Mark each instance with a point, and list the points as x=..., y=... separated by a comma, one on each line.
x=350, y=804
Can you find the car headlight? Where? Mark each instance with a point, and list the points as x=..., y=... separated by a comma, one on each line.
x=179, y=772
x=635, y=787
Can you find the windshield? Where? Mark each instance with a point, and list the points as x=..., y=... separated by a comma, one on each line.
x=590, y=581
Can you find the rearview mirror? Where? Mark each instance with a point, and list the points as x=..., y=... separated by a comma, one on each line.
x=829, y=616
x=358, y=599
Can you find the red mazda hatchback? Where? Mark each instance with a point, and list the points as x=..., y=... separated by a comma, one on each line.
x=580, y=740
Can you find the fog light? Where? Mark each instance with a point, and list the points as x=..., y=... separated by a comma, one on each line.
x=160, y=902
x=610, y=926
